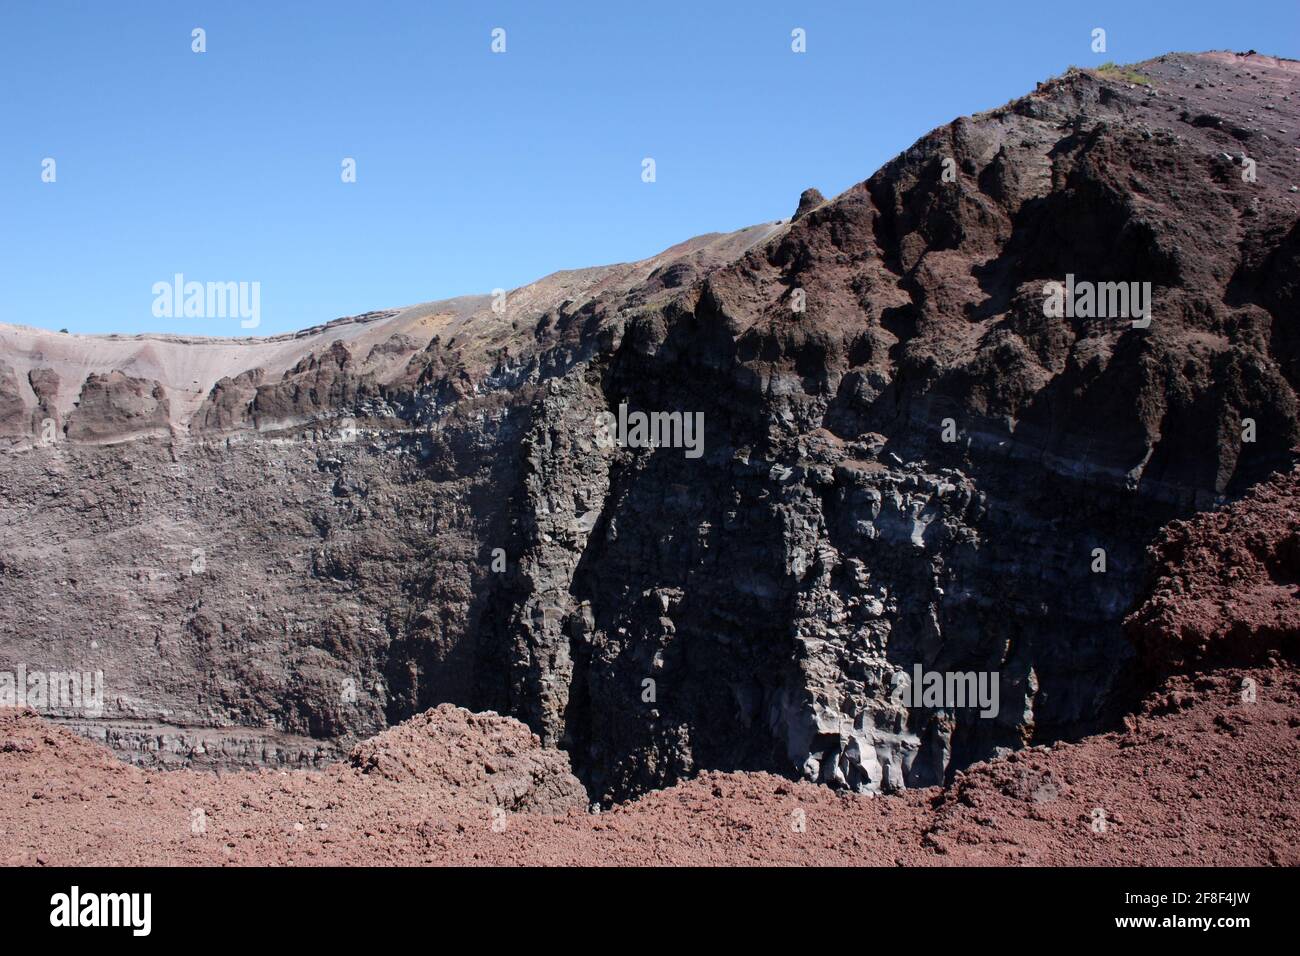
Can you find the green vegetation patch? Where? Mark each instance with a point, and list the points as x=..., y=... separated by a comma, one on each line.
x=1127, y=73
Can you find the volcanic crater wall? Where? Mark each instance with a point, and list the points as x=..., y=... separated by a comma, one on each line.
x=416, y=507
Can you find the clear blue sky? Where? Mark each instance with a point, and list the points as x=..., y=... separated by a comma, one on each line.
x=478, y=170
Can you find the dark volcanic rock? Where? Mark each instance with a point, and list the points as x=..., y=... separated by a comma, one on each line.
x=809, y=199
x=907, y=459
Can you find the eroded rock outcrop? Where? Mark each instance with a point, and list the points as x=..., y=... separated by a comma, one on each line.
x=118, y=406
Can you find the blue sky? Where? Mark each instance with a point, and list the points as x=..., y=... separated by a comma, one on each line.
x=478, y=170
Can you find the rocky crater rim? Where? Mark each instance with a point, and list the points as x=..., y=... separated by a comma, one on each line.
x=918, y=465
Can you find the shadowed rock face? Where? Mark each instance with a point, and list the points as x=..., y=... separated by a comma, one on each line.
x=907, y=460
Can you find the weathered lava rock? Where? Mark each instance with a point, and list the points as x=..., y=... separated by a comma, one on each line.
x=809, y=199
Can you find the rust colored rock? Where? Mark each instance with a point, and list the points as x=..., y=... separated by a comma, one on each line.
x=1227, y=585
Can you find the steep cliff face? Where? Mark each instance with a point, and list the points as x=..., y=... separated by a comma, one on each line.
x=910, y=458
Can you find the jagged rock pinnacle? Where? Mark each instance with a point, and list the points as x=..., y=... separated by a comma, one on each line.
x=809, y=200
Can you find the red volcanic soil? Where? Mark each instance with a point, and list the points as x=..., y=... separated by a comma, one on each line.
x=1198, y=776
x=1228, y=585
x=1203, y=771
